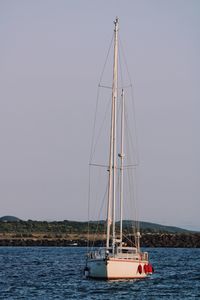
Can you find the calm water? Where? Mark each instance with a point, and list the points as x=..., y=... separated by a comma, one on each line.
x=56, y=273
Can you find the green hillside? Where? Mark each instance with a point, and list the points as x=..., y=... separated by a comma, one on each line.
x=153, y=227
x=10, y=224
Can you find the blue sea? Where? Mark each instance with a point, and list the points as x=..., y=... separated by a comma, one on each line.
x=57, y=273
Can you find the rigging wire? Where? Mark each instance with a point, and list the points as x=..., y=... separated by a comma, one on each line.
x=94, y=126
x=97, y=100
x=99, y=132
x=132, y=98
x=132, y=182
x=89, y=193
x=105, y=63
x=125, y=61
x=93, y=143
x=120, y=69
x=100, y=210
x=135, y=128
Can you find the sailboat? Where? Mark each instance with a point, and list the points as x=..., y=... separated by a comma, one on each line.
x=116, y=259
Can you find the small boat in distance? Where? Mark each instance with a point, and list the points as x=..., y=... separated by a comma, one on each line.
x=116, y=259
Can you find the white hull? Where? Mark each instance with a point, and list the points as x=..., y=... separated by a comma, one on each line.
x=115, y=268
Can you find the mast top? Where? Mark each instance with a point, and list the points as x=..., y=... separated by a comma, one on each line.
x=116, y=22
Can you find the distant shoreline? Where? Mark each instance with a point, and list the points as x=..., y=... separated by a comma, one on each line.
x=180, y=240
x=15, y=232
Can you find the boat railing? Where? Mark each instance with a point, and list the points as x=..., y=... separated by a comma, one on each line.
x=97, y=254
x=105, y=253
x=127, y=256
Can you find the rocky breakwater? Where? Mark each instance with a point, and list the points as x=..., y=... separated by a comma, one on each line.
x=41, y=242
x=178, y=240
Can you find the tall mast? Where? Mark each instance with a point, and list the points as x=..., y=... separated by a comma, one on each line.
x=121, y=155
x=112, y=158
x=114, y=100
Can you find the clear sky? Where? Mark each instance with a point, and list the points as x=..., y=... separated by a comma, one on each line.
x=51, y=56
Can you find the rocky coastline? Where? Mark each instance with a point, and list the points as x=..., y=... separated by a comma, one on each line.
x=180, y=240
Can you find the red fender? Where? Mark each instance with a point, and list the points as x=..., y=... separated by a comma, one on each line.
x=140, y=269
x=146, y=269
